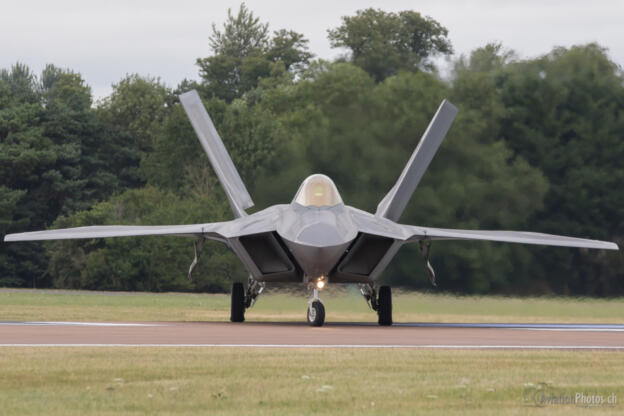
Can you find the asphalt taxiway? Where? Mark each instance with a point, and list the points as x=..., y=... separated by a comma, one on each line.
x=300, y=335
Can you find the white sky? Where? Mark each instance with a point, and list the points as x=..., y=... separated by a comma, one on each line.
x=106, y=39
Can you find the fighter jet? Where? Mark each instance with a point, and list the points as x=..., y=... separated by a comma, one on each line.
x=316, y=239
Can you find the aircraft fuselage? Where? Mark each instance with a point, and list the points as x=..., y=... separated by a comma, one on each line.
x=317, y=237
x=339, y=243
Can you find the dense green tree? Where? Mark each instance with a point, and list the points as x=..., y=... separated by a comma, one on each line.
x=244, y=54
x=559, y=112
x=55, y=158
x=289, y=48
x=485, y=60
x=565, y=115
x=384, y=43
x=242, y=34
x=69, y=122
x=137, y=106
x=37, y=173
x=18, y=86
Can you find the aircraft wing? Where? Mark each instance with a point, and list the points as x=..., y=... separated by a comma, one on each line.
x=252, y=238
x=210, y=230
x=415, y=233
x=260, y=222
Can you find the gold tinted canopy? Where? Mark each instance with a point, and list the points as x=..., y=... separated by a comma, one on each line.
x=318, y=191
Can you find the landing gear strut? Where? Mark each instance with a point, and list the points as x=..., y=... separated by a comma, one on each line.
x=381, y=303
x=316, y=311
x=254, y=288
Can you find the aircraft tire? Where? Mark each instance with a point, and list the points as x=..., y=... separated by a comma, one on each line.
x=316, y=314
x=384, y=309
x=237, y=307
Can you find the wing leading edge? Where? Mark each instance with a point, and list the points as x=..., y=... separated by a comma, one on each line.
x=210, y=230
x=415, y=233
x=260, y=222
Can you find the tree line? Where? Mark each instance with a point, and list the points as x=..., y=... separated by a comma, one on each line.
x=538, y=145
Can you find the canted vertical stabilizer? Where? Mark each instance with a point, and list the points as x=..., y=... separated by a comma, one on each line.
x=394, y=202
x=219, y=157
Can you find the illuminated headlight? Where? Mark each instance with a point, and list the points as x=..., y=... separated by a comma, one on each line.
x=320, y=283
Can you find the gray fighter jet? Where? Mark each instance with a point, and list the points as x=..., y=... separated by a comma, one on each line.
x=316, y=239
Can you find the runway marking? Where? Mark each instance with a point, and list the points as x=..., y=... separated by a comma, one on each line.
x=106, y=324
x=358, y=346
x=539, y=327
x=574, y=329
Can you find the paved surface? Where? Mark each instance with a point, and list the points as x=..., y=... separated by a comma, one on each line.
x=291, y=334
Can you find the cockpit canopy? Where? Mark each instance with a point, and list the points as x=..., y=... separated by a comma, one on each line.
x=318, y=191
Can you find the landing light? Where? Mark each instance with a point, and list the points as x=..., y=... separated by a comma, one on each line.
x=320, y=283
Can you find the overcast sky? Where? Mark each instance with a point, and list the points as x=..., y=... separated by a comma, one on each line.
x=105, y=40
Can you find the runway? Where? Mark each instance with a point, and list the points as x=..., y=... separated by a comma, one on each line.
x=300, y=335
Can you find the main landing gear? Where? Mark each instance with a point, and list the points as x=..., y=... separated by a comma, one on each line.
x=241, y=300
x=382, y=302
x=384, y=306
x=237, y=307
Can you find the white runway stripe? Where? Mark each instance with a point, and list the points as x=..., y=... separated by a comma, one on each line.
x=475, y=347
x=539, y=327
x=574, y=329
x=106, y=324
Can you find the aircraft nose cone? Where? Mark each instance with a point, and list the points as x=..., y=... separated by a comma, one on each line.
x=320, y=234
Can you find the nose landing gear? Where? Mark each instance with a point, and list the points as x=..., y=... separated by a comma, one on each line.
x=316, y=311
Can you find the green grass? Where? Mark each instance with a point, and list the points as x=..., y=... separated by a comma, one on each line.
x=341, y=305
x=220, y=381
x=266, y=381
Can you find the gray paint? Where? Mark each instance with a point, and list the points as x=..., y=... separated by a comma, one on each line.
x=393, y=204
x=293, y=243
x=215, y=149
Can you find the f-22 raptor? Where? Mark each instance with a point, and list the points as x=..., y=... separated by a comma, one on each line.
x=316, y=239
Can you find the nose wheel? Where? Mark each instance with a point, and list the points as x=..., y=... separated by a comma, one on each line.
x=316, y=311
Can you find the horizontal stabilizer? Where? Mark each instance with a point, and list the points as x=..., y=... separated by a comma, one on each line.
x=220, y=159
x=394, y=202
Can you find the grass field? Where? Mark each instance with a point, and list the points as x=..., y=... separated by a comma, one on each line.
x=341, y=306
x=219, y=381
x=271, y=381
